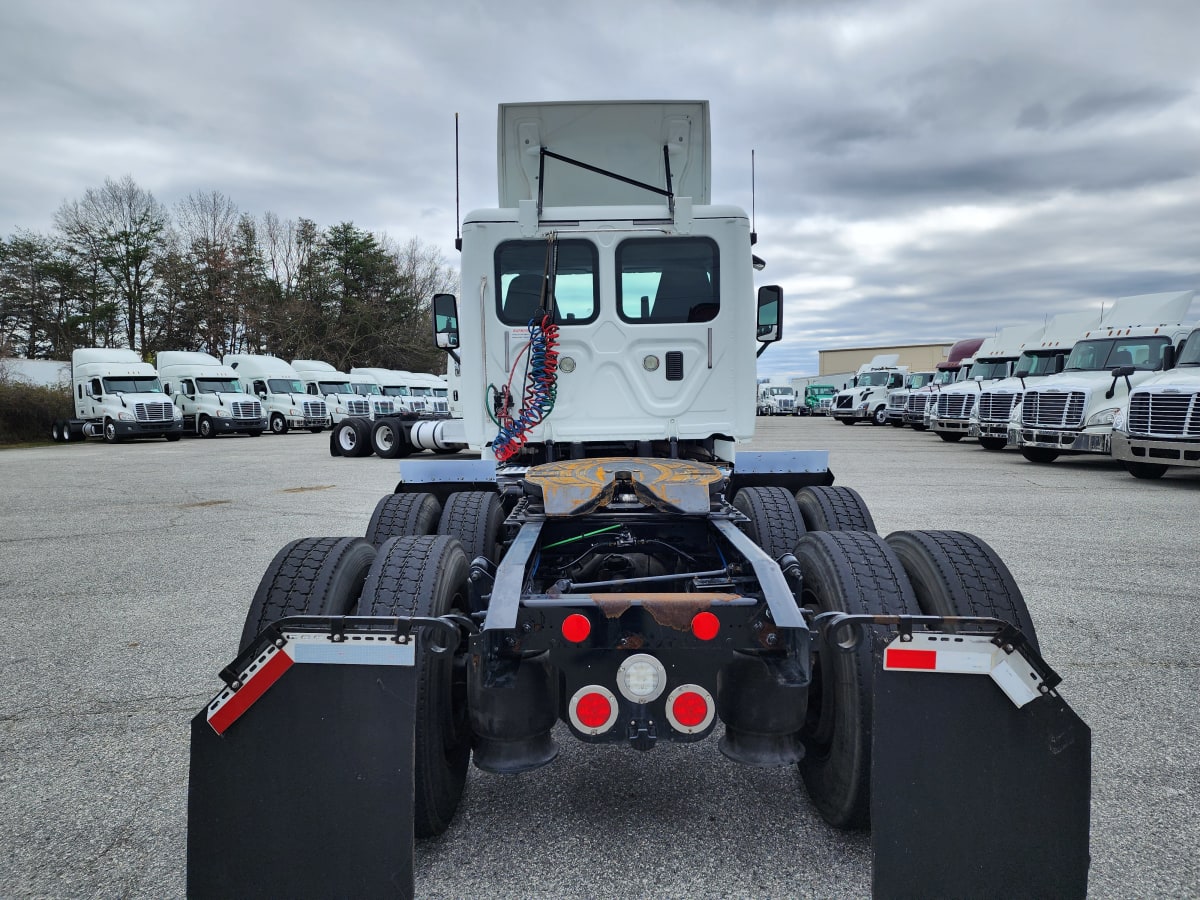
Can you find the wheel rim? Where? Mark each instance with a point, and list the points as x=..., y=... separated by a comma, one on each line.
x=277, y=423
x=347, y=439
x=385, y=438
x=110, y=431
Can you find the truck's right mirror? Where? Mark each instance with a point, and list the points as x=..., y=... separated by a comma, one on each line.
x=445, y=321
x=770, y=313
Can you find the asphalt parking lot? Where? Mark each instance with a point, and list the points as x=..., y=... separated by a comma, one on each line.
x=126, y=572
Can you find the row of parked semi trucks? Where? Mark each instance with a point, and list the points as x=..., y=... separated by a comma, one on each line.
x=1125, y=383
x=116, y=395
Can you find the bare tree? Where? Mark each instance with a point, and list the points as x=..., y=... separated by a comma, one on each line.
x=119, y=227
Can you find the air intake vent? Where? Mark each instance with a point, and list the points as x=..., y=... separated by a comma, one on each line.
x=674, y=365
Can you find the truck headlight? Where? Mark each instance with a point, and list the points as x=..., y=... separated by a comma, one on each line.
x=125, y=417
x=293, y=412
x=1118, y=422
x=863, y=405
x=338, y=409
x=1104, y=417
x=222, y=414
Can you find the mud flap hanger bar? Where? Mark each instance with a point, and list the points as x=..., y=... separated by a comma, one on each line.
x=449, y=628
x=1002, y=634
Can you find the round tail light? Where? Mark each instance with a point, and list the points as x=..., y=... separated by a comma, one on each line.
x=690, y=709
x=593, y=709
x=576, y=627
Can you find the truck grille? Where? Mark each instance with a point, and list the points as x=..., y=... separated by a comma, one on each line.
x=441, y=406
x=787, y=403
x=996, y=407
x=1165, y=415
x=954, y=406
x=246, y=410
x=154, y=412
x=916, y=403
x=417, y=405
x=844, y=402
x=358, y=408
x=314, y=410
x=383, y=408
x=1053, y=409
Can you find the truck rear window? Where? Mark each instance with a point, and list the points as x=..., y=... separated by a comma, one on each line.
x=520, y=273
x=668, y=280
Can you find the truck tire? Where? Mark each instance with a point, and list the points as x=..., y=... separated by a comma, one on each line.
x=475, y=518
x=828, y=508
x=957, y=574
x=775, y=521
x=847, y=421
x=279, y=423
x=56, y=431
x=427, y=576
x=918, y=426
x=1039, y=454
x=388, y=439
x=317, y=429
x=993, y=443
x=1148, y=471
x=950, y=437
x=204, y=427
x=110, y=432
x=351, y=437
x=854, y=572
x=319, y=576
x=403, y=515
x=173, y=436
x=898, y=424
x=879, y=417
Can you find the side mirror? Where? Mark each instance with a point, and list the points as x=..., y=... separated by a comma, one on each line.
x=1123, y=371
x=1168, y=357
x=262, y=395
x=445, y=321
x=1021, y=373
x=770, y=313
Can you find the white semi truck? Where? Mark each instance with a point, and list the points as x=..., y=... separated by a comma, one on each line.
x=209, y=394
x=777, y=398
x=365, y=386
x=280, y=390
x=897, y=401
x=950, y=416
x=1073, y=411
x=866, y=401
x=992, y=418
x=917, y=406
x=437, y=405
x=116, y=396
x=395, y=384
x=617, y=569
x=322, y=380
x=1160, y=425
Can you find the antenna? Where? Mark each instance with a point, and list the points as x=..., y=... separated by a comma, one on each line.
x=457, y=214
x=753, y=228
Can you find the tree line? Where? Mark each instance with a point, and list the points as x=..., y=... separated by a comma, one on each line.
x=121, y=270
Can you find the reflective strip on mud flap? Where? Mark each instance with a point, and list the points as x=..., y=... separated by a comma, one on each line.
x=269, y=666
x=962, y=654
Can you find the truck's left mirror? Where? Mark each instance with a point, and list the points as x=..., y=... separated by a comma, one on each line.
x=770, y=313
x=445, y=321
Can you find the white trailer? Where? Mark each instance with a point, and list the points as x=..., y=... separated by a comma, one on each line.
x=209, y=394
x=1073, y=411
x=116, y=396
x=1159, y=426
x=322, y=380
x=279, y=388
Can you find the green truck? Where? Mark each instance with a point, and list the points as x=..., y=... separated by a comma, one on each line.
x=817, y=399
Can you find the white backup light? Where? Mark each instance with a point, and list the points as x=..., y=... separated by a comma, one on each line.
x=641, y=678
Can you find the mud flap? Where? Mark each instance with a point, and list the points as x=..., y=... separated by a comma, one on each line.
x=971, y=794
x=301, y=781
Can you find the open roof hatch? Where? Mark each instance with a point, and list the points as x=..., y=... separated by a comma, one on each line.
x=609, y=138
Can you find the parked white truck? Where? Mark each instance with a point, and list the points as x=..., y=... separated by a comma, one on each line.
x=950, y=418
x=992, y=419
x=281, y=392
x=322, y=380
x=365, y=386
x=777, y=398
x=209, y=394
x=866, y=401
x=395, y=384
x=437, y=405
x=1160, y=425
x=116, y=396
x=1073, y=411
x=917, y=404
x=897, y=401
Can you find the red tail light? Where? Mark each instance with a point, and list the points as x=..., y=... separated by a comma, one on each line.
x=705, y=626
x=593, y=709
x=690, y=709
x=576, y=628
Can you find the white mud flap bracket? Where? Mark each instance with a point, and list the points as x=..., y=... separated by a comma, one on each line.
x=301, y=781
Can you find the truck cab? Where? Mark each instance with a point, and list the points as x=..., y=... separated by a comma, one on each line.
x=116, y=395
x=898, y=399
x=335, y=388
x=209, y=395
x=381, y=403
x=817, y=399
x=281, y=392
x=1159, y=426
x=396, y=385
x=866, y=401
x=777, y=400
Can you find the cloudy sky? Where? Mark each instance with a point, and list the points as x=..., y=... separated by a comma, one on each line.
x=926, y=169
